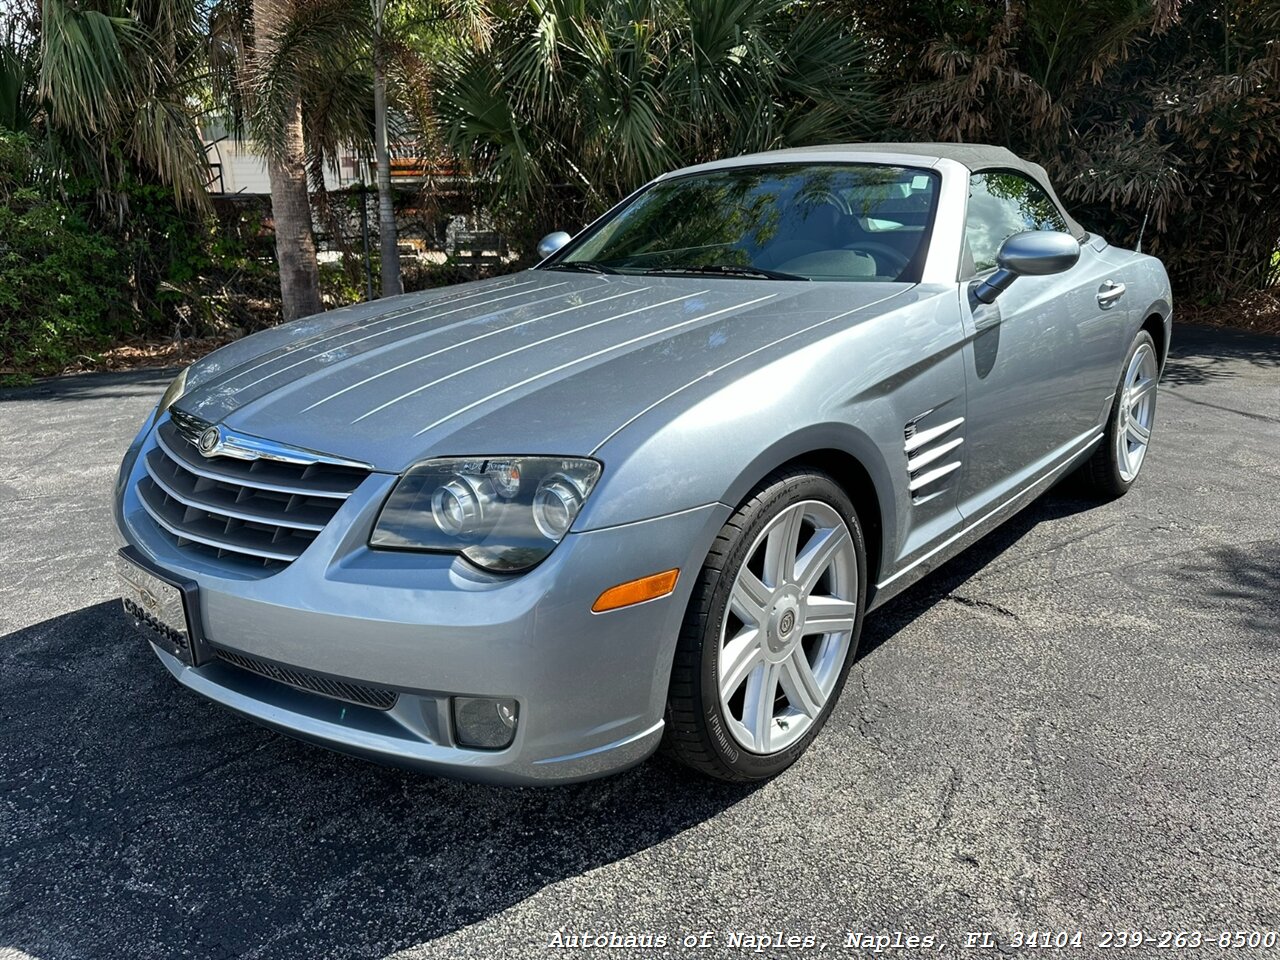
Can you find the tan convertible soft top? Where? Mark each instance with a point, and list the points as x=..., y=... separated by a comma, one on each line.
x=975, y=156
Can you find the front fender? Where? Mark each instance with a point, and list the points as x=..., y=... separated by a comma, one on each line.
x=728, y=480
x=849, y=391
x=820, y=438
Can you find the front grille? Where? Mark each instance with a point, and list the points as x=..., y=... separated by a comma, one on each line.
x=262, y=513
x=380, y=698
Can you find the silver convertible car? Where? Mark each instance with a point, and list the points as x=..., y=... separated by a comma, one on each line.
x=528, y=529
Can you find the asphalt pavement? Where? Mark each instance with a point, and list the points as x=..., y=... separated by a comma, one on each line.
x=1075, y=726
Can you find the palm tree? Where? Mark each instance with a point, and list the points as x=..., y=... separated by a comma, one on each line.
x=387, y=233
x=19, y=68
x=110, y=93
x=580, y=101
x=278, y=122
x=349, y=60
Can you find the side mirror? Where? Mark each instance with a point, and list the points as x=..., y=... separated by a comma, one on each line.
x=1034, y=253
x=551, y=243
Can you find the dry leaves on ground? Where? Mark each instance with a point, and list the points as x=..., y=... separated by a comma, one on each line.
x=1257, y=312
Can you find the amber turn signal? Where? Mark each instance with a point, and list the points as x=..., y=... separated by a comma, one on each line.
x=636, y=591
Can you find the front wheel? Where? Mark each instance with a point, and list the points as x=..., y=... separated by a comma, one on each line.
x=1115, y=465
x=771, y=630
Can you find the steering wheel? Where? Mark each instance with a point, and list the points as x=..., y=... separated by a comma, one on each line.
x=884, y=255
x=833, y=198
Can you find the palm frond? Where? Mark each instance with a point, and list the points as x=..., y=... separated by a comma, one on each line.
x=115, y=87
x=577, y=102
x=84, y=66
x=19, y=105
x=321, y=40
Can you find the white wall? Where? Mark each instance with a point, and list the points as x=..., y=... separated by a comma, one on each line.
x=244, y=169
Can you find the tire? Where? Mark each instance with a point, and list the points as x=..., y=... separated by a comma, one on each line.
x=733, y=730
x=1111, y=471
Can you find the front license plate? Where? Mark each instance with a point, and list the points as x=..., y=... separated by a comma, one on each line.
x=158, y=606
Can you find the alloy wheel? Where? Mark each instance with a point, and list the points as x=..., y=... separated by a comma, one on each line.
x=1137, y=411
x=787, y=629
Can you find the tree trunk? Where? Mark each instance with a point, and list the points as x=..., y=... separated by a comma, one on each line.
x=389, y=241
x=290, y=202
x=295, y=241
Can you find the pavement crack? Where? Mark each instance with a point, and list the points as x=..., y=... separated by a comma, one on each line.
x=977, y=604
x=1267, y=869
x=1217, y=406
x=196, y=776
x=946, y=801
x=1050, y=551
x=866, y=722
x=1037, y=813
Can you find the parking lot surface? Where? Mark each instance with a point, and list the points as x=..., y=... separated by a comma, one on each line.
x=1071, y=727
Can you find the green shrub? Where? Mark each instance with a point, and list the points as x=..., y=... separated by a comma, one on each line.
x=1136, y=108
x=337, y=287
x=59, y=285
x=60, y=281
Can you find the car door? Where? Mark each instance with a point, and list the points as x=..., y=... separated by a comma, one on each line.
x=1041, y=358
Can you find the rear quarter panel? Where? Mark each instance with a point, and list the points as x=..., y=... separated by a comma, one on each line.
x=1149, y=294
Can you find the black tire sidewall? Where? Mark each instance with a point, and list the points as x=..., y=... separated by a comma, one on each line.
x=759, y=511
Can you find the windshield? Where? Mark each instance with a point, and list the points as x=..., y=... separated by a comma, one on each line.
x=783, y=221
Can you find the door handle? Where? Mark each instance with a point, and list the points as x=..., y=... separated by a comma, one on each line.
x=1109, y=293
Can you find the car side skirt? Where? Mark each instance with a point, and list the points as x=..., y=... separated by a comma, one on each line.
x=972, y=531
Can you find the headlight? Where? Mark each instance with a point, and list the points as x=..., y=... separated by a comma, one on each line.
x=176, y=389
x=501, y=513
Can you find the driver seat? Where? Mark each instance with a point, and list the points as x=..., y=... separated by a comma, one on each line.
x=825, y=228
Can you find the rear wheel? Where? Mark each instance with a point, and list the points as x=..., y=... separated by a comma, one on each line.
x=1115, y=465
x=771, y=630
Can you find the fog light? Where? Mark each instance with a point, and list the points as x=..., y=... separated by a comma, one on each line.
x=485, y=722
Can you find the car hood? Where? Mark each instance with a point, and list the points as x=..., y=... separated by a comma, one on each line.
x=537, y=362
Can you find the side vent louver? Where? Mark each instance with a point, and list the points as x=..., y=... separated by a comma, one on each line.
x=933, y=454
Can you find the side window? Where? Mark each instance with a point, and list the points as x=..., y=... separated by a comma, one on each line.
x=1000, y=205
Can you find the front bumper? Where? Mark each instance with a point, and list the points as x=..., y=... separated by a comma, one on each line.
x=591, y=687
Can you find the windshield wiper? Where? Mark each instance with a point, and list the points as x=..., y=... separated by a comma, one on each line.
x=582, y=266
x=725, y=270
